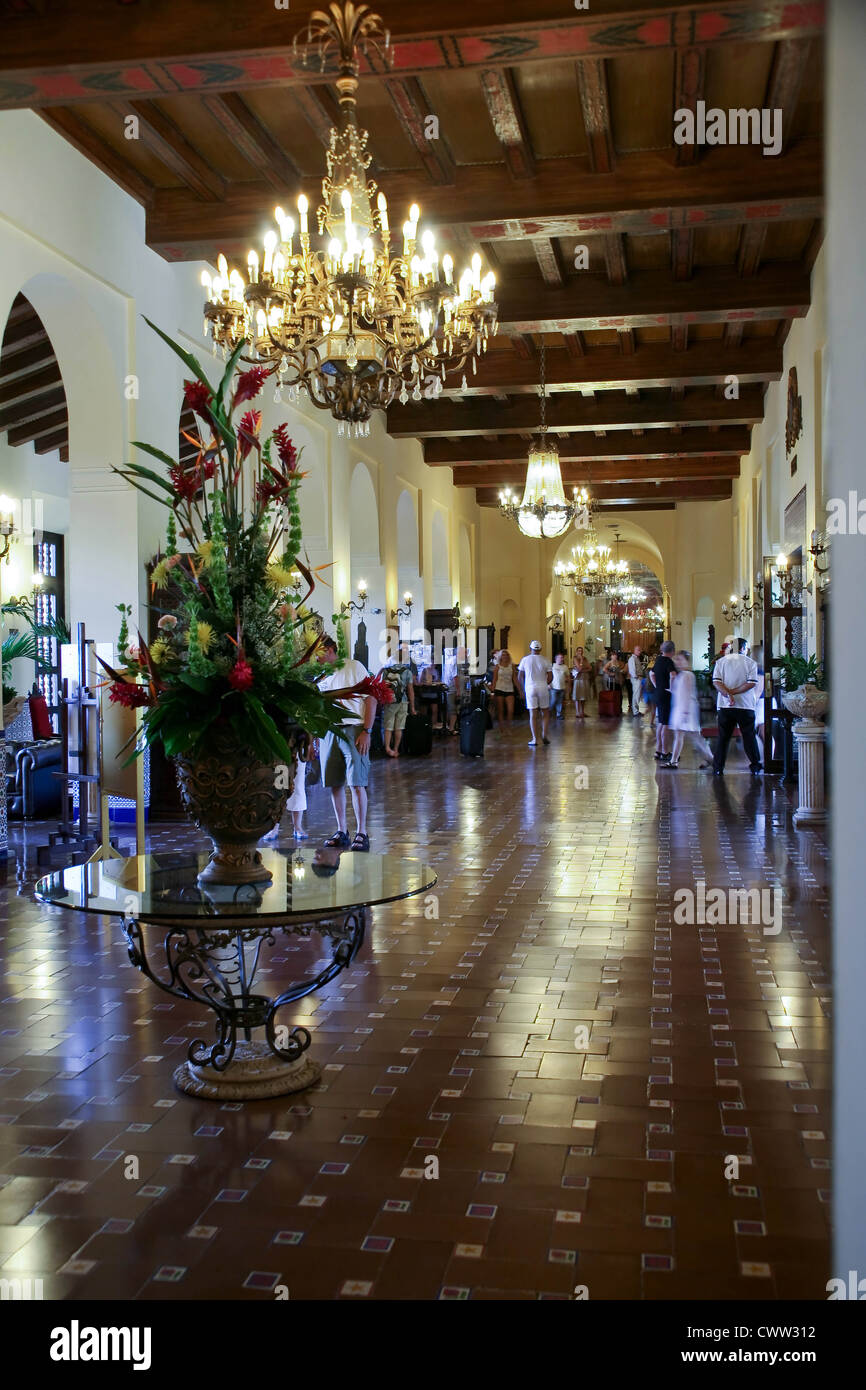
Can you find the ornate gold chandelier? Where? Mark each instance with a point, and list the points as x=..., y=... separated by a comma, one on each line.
x=544, y=511
x=592, y=570
x=361, y=322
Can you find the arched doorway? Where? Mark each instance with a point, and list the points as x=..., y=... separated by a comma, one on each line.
x=34, y=454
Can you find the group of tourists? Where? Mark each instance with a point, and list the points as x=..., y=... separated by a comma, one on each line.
x=667, y=687
x=737, y=684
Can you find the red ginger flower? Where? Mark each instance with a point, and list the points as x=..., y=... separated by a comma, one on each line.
x=186, y=485
x=380, y=690
x=249, y=384
x=240, y=677
x=285, y=448
x=197, y=397
x=128, y=695
x=268, y=489
x=248, y=433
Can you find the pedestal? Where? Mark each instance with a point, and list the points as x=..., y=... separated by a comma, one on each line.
x=254, y=1074
x=811, y=737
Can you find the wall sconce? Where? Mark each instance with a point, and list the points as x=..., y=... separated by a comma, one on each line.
x=403, y=612
x=790, y=583
x=7, y=525
x=555, y=623
x=351, y=606
x=742, y=605
x=819, y=546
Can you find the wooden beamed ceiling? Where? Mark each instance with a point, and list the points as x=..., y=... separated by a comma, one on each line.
x=662, y=279
x=32, y=398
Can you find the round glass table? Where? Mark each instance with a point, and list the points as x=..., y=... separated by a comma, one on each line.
x=211, y=943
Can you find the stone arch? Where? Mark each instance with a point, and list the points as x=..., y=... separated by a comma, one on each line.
x=103, y=509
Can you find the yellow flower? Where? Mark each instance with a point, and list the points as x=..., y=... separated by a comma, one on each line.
x=159, y=574
x=278, y=576
x=159, y=651
x=204, y=551
x=205, y=635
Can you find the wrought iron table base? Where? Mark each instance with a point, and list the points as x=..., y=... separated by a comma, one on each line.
x=216, y=967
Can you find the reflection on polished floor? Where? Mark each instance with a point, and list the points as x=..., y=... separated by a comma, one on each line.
x=578, y=1066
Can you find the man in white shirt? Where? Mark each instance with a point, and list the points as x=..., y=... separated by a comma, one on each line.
x=534, y=675
x=635, y=675
x=560, y=681
x=346, y=761
x=736, y=680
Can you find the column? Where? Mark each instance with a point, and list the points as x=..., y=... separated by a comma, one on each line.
x=811, y=737
x=843, y=456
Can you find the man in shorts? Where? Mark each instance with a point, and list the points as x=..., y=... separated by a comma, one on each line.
x=346, y=760
x=660, y=675
x=400, y=677
x=534, y=675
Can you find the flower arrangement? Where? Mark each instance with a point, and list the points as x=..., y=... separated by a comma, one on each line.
x=233, y=650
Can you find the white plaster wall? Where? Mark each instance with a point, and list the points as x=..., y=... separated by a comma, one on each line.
x=768, y=460
x=846, y=278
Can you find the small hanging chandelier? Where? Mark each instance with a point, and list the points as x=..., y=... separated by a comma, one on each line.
x=544, y=511
x=361, y=322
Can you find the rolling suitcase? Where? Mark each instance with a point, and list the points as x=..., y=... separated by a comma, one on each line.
x=417, y=741
x=609, y=704
x=473, y=727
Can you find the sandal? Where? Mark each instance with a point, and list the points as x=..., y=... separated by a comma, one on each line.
x=339, y=840
x=361, y=843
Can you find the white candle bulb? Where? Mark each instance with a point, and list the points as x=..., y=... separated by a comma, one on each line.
x=414, y=214
x=253, y=266
x=448, y=265
x=223, y=266
x=207, y=283
x=303, y=209
x=383, y=212
x=270, y=244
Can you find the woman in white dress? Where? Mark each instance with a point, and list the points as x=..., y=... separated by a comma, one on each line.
x=686, y=712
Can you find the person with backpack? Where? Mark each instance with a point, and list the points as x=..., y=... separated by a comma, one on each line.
x=398, y=675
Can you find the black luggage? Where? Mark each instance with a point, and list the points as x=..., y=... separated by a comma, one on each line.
x=417, y=739
x=473, y=727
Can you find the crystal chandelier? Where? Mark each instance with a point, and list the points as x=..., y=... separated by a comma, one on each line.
x=592, y=570
x=544, y=511
x=360, y=322
x=616, y=574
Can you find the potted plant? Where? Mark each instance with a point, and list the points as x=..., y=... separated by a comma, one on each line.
x=228, y=687
x=17, y=645
x=805, y=687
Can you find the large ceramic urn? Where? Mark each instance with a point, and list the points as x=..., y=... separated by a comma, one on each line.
x=807, y=702
x=235, y=798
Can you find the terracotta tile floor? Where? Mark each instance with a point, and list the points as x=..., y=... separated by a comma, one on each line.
x=579, y=1065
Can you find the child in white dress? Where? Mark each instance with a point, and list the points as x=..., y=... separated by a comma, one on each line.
x=297, y=804
x=686, y=712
